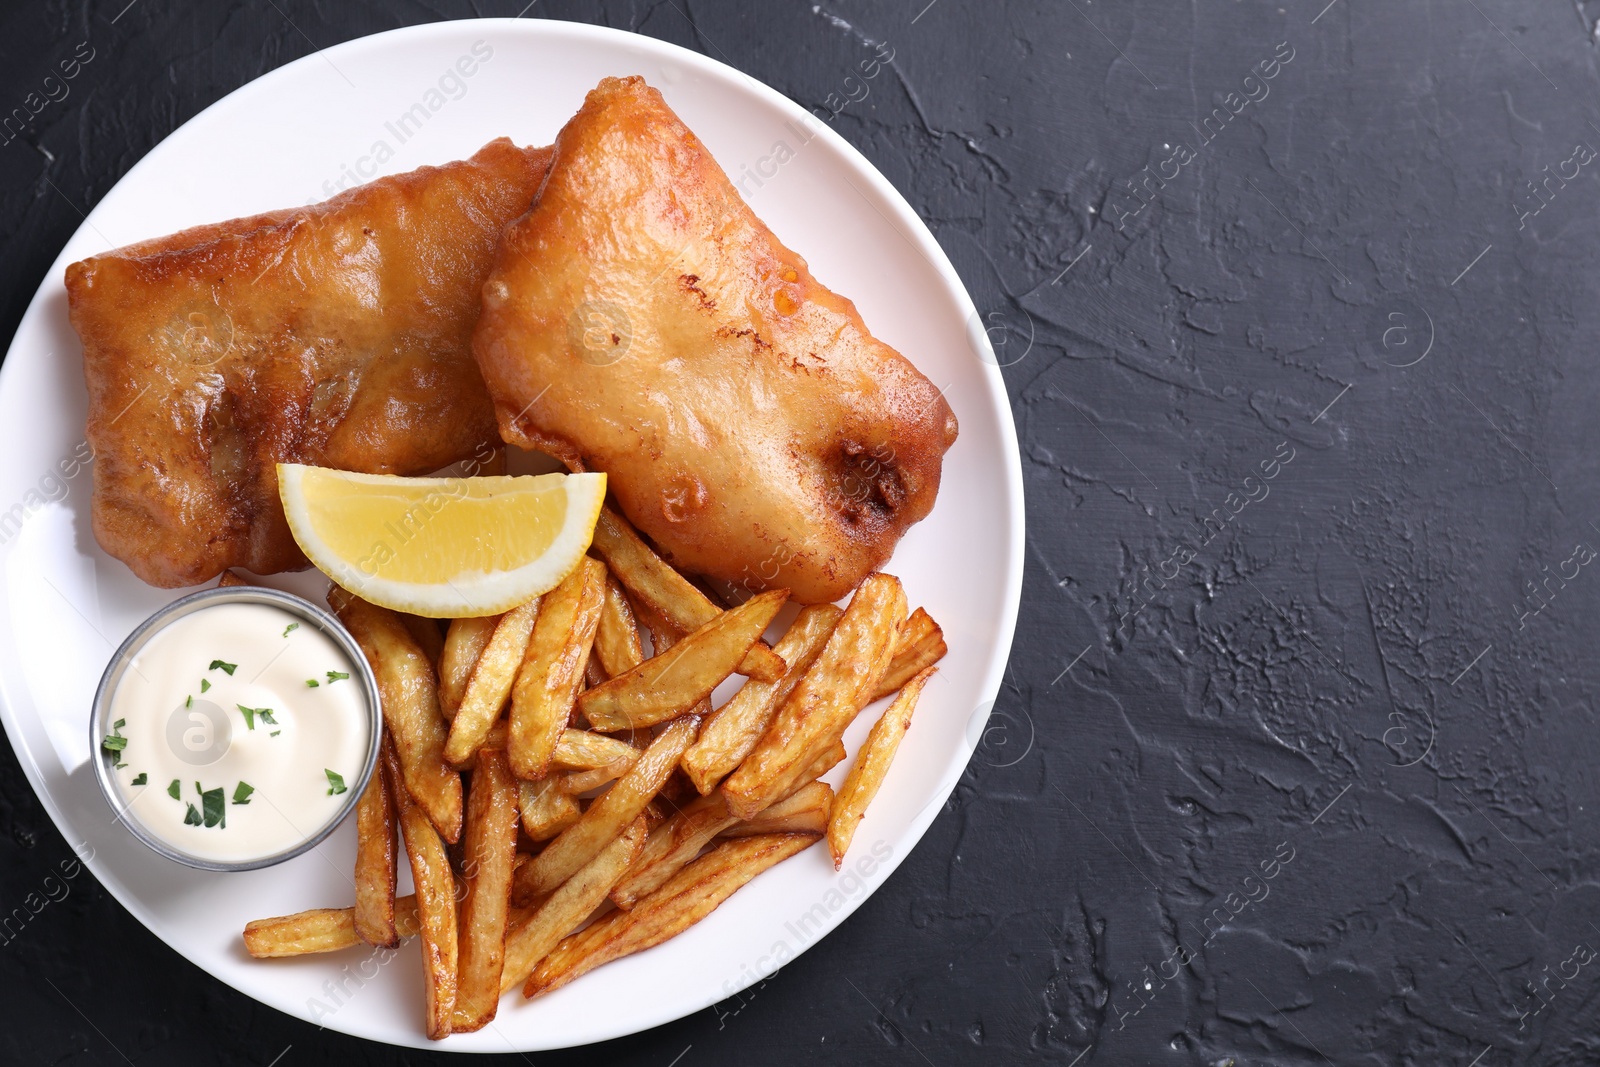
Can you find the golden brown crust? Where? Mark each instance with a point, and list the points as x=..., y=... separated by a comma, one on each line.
x=335, y=334
x=641, y=320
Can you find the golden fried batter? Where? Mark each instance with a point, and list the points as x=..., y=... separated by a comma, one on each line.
x=335, y=334
x=642, y=321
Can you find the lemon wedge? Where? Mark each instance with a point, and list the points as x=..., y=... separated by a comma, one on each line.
x=442, y=547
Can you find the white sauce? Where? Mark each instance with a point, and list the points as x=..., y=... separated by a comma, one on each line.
x=175, y=732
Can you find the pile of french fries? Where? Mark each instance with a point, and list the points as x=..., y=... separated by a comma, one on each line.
x=565, y=799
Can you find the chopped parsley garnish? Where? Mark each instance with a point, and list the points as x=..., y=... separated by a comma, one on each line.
x=291, y=626
x=192, y=817
x=312, y=683
x=114, y=742
x=211, y=802
x=140, y=779
x=204, y=685
x=188, y=701
x=334, y=676
x=251, y=713
x=242, y=791
x=217, y=664
x=335, y=782
x=275, y=733
x=174, y=789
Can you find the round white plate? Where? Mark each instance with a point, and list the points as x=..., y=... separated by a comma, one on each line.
x=292, y=137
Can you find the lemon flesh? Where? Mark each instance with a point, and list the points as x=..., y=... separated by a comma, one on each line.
x=442, y=547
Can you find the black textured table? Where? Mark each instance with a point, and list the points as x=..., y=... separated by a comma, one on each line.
x=1296, y=759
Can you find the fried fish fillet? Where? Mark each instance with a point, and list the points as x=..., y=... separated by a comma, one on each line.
x=641, y=320
x=336, y=334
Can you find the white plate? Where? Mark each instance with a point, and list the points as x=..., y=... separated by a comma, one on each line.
x=286, y=139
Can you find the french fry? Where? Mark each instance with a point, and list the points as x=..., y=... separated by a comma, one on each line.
x=806, y=811
x=733, y=729
x=564, y=910
x=685, y=899
x=582, y=781
x=671, y=683
x=551, y=671
x=231, y=580
x=464, y=642
x=831, y=757
x=436, y=907
x=652, y=580
x=319, y=930
x=489, y=684
x=920, y=645
x=546, y=808
x=375, y=863
x=832, y=693
x=608, y=815
x=491, y=851
x=616, y=643
x=583, y=750
x=426, y=633
x=671, y=847
x=872, y=764
x=409, y=692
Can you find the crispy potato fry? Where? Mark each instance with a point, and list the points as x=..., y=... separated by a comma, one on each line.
x=426, y=633
x=230, y=579
x=831, y=757
x=491, y=851
x=319, y=930
x=546, y=808
x=832, y=693
x=564, y=910
x=582, y=750
x=436, y=907
x=463, y=644
x=672, y=846
x=489, y=684
x=872, y=764
x=685, y=899
x=671, y=683
x=409, y=692
x=921, y=645
x=608, y=815
x=733, y=729
x=652, y=580
x=376, y=856
x=804, y=812
x=582, y=781
x=551, y=671
x=617, y=644
x=655, y=813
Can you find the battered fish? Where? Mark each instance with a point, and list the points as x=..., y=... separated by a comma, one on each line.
x=642, y=321
x=336, y=334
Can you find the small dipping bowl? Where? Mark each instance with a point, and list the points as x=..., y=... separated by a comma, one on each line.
x=101, y=720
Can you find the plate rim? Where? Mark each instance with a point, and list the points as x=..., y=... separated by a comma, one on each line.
x=904, y=219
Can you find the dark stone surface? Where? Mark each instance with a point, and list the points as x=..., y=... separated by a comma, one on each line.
x=1336, y=715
